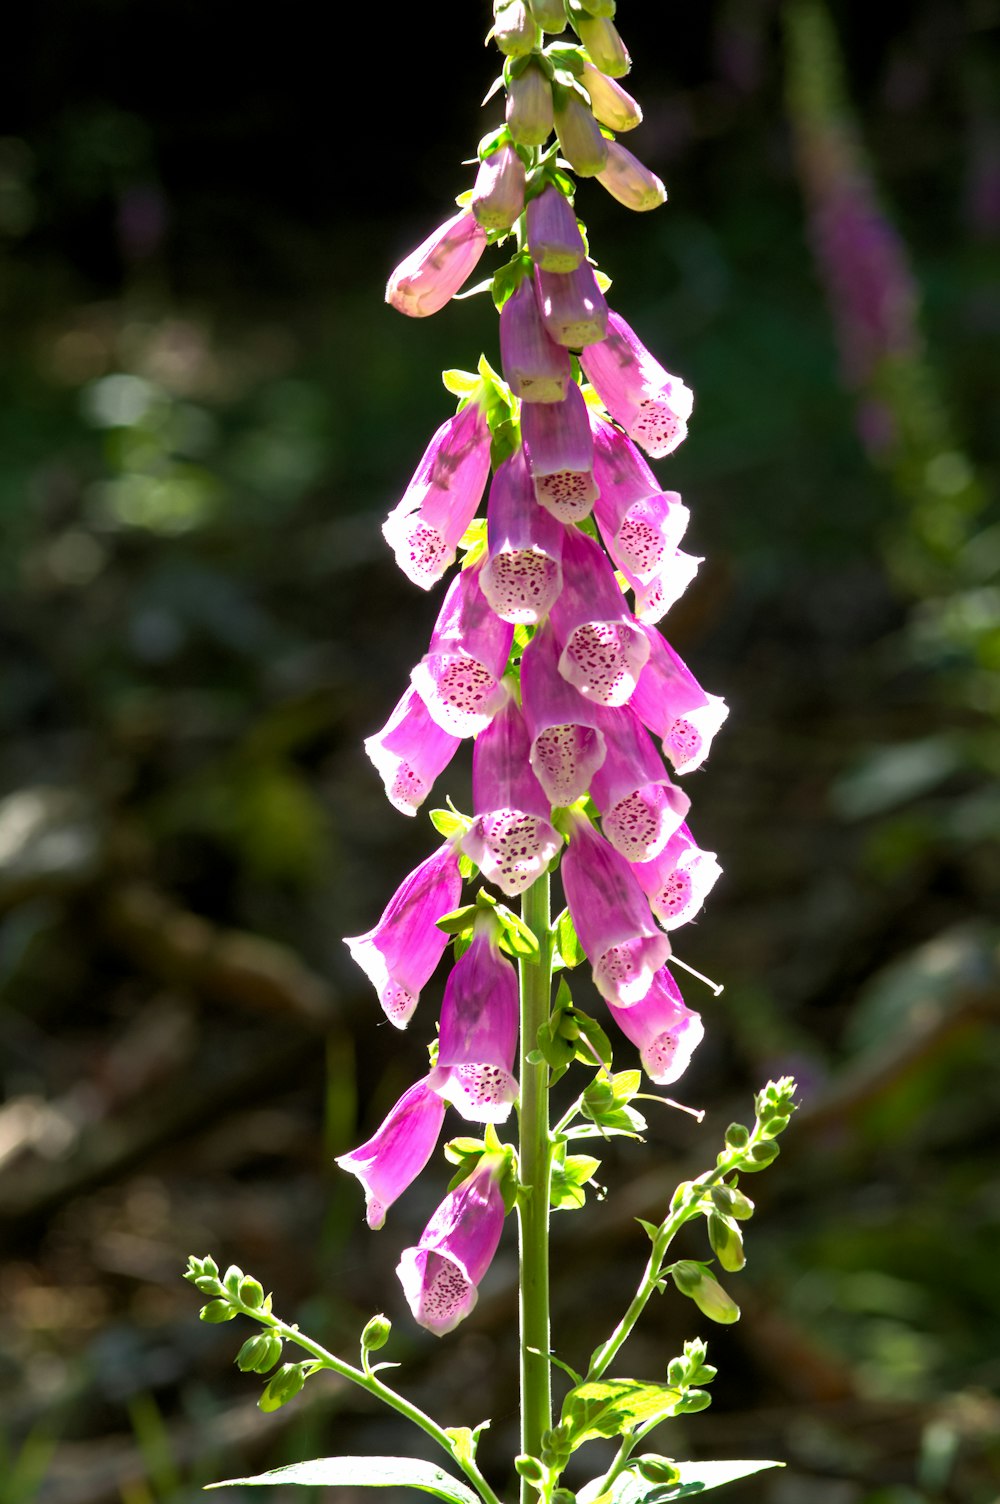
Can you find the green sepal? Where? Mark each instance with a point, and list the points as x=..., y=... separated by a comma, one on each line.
x=570, y=1173
x=602, y=279
x=450, y=822
x=517, y=939
x=460, y=383
x=459, y=921
x=457, y=1150
x=465, y=1441
x=566, y=58
x=590, y=1030
x=571, y=952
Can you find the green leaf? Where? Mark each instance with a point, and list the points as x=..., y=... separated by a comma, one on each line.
x=460, y=383
x=567, y=941
x=465, y=1441
x=363, y=1472
x=695, y=1478
x=521, y=940
x=615, y=1407
x=448, y=822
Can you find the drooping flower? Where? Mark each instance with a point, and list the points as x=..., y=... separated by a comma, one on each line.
x=549, y=14
x=580, y=139
x=566, y=744
x=559, y=450
x=679, y=879
x=651, y=405
x=664, y=1030
x=459, y=676
x=430, y=276
x=611, y=104
x=398, y=1149
x=424, y=528
x=670, y=701
x=529, y=107
x=498, y=195
x=440, y=1276
x=478, y=1036
x=514, y=29
x=602, y=649
x=630, y=181
x=400, y=954
x=409, y=753
x=574, y=309
x=611, y=917
x=511, y=840
x=554, y=240
x=522, y=575
x=535, y=367
x=640, y=808
x=604, y=44
x=640, y=524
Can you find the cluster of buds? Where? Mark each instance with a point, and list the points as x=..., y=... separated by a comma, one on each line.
x=580, y=712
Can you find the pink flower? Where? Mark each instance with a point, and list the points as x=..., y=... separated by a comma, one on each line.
x=664, y=1030
x=679, y=879
x=459, y=676
x=640, y=524
x=431, y=275
x=611, y=105
x=398, y=1150
x=554, y=239
x=522, y=575
x=536, y=368
x=670, y=701
x=511, y=839
x=409, y=753
x=441, y=1274
x=566, y=744
x=640, y=807
x=560, y=453
x=478, y=1036
x=602, y=648
x=629, y=181
x=654, y=598
x=498, y=196
x=441, y=500
x=652, y=406
x=574, y=309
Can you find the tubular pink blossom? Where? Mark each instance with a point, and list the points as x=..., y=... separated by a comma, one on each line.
x=574, y=309
x=424, y=528
x=611, y=917
x=441, y=1274
x=640, y=524
x=580, y=139
x=459, y=676
x=678, y=881
x=536, y=368
x=511, y=839
x=498, y=195
x=566, y=746
x=630, y=181
x=559, y=449
x=398, y=1150
x=640, y=807
x=400, y=954
x=478, y=1037
x=654, y=597
x=602, y=649
x=665, y=1031
x=554, y=239
x=431, y=275
x=409, y=753
x=652, y=406
x=611, y=105
x=522, y=575
x=670, y=701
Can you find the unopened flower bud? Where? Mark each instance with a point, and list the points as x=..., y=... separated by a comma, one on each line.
x=259, y=1353
x=530, y=1469
x=737, y=1136
x=431, y=275
x=727, y=1243
x=708, y=1295
x=283, y=1387
x=610, y=103
x=580, y=137
x=550, y=15
x=629, y=181
x=554, y=239
x=251, y=1292
x=376, y=1333
x=655, y=1469
x=498, y=195
x=606, y=48
x=514, y=29
x=529, y=108
x=216, y=1311
x=761, y=1155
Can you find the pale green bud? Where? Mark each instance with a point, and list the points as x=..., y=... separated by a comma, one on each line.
x=550, y=15
x=216, y=1311
x=514, y=28
x=376, y=1333
x=727, y=1243
x=283, y=1387
x=606, y=48
x=708, y=1295
x=583, y=146
x=251, y=1292
x=529, y=108
x=656, y=1469
x=530, y=1469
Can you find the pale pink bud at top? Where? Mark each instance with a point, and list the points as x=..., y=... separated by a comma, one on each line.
x=441, y=1274
x=498, y=195
x=399, y=1149
x=580, y=139
x=566, y=744
x=554, y=239
x=514, y=29
x=535, y=367
x=522, y=575
x=640, y=808
x=605, y=46
x=459, y=676
x=670, y=701
x=409, y=753
x=549, y=14
x=478, y=1036
x=602, y=649
x=629, y=181
x=511, y=840
x=664, y=1030
x=679, y=879
x=431, y=275
x=610, y=103
x=574, y=309
x=425, y=526
x=651, y=405
x=560, y=453
x=529, y=107
x=400, y=954
x=611, y=917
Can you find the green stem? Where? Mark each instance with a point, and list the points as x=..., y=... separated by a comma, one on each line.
x=535, y=1160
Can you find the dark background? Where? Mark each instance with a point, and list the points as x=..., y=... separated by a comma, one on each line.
x=207, y=410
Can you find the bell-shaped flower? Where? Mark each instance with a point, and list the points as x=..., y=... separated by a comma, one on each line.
x=602, y=649
x=640, y=808
x=522, y=575
x=498, y=196
x=441, y=1275
x=611, y=917
x=604, y=45
x=424, y=528
x=459, y=676
x=630, y=181
x=611, y=105
x=664, y=1030
x=574, y=309
x=566, y=744
x=554, y=240
x=511, y=839
x=654, y=597
x=580, y=139
x=398, y=1150
x=559, y=449
x=529, y=107
x=535, y=367
x=640, y=524
x=670, y=701
x=409, y=753
x=430, y=276
x=400, y=954
x=679, y=879
x=478, y=1036
x=652, y=406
